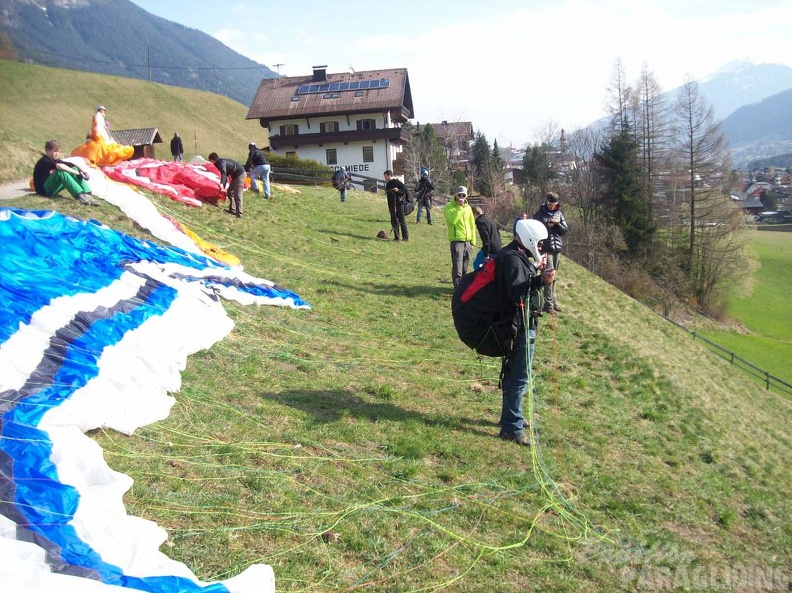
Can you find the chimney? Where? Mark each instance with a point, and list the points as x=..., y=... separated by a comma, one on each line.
x=319, y=73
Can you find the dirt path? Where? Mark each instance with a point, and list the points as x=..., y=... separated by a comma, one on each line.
x=14, y=189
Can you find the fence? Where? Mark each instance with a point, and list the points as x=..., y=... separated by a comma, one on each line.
x=770, y=381
x=320, y=177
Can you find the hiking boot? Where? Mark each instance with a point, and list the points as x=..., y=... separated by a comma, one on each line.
x=238, y=215
x=395, y=238
x=548, y=308
x=86, y=199
x=556, y=307
x=520, y=438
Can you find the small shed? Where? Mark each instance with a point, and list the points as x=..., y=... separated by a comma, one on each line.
x=142, y=139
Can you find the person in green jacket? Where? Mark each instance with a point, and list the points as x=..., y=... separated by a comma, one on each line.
x=461, y=232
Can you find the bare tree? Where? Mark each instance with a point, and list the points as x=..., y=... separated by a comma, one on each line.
x=621, y=103
x=654, y=134
x=716, y=233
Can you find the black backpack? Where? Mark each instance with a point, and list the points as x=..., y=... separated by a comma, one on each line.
x=478, y=315
x=408, y=203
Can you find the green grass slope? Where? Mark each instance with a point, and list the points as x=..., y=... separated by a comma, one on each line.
x=38, y=103
x=764, y=309
x=353, y=447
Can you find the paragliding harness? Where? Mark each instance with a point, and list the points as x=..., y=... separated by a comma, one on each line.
x=340, y=179
x=407, y=202
x=479, y=318
x=478, y=314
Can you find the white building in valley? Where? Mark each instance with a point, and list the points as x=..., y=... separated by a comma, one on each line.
x=349, y=119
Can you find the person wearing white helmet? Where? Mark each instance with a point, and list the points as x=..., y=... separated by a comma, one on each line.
x=521, y=273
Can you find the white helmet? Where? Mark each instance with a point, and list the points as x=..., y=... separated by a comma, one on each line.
x=531, y=232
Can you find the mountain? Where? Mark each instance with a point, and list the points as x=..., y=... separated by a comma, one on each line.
x=742, y=83
x=761, y=129
x=754, y=102
x=118, y=37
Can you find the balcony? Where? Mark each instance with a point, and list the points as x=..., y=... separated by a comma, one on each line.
x=278, y=142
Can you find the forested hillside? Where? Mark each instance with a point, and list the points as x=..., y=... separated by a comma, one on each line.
x=117, y=37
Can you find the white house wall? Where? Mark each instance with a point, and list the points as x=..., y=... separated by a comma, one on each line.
x=350, y=154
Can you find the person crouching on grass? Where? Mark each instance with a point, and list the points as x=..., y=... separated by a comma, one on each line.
x=51, y=175
x=232, y=179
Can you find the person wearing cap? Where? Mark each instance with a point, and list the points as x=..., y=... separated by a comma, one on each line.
x=100, y=125
x=521, y=271
x=232, y=179
x=177, y=148
x=461, y=233
x=550, y=215
x=423, y=193
x=100, y=148
x=258, y=166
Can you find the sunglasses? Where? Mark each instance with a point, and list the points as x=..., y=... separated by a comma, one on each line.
x=461, y=196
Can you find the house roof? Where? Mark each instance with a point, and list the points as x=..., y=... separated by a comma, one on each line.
x=458, y=129
x=275, y=98
x=137, y=137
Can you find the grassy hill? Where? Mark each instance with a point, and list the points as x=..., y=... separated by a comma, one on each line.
x=353, y=447
x=39, y=103
x=764, y=309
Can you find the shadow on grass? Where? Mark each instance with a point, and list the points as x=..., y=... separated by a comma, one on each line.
x=331, y=406
x=371, y=237
x=388, y=289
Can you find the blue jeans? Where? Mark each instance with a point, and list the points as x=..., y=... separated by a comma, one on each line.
x=515, y=381
x=260, y=172
x=343, y=191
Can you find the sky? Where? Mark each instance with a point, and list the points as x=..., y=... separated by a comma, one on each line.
x=515, y=68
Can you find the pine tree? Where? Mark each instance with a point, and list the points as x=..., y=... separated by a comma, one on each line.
x=623, y=200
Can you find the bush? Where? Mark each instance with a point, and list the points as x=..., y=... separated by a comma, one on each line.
x=291, y=169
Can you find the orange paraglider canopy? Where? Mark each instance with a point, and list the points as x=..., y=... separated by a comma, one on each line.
x=100, y=148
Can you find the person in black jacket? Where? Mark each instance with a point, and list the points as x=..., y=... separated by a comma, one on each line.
x=232, y=179
x=423, y=194
x=396, y=193
x=550, y=215
x=177, y=148
x=51, y=175
x=489, y=232
x=520, y=271
x=258, y=166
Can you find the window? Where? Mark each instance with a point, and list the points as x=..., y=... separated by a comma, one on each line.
x=330, y=96
x=290, y=130
x=368, y=154
x=291, y=154
x=359, y=93
x=366, y=124
x=332, y=156
x=328, y=126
